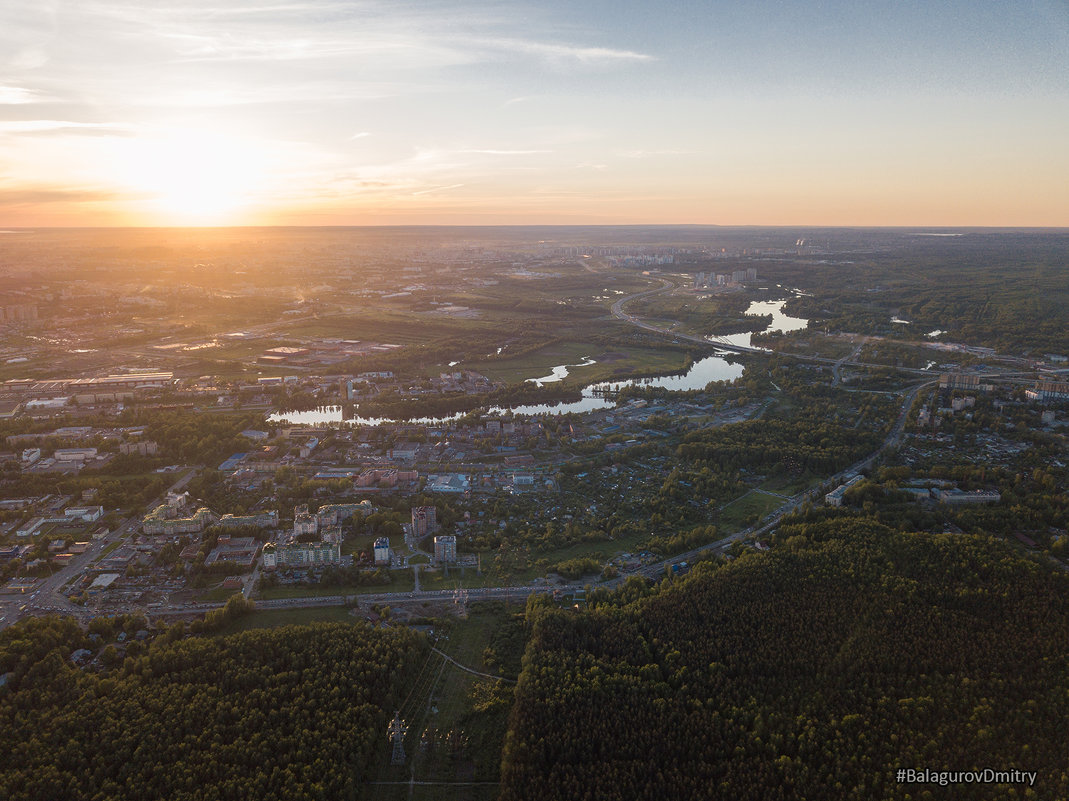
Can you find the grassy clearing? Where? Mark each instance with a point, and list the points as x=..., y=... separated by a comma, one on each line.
x=791, y=485
x=467, y=713
x=461, y=717
x=401, y=581
x=747, y=509
x=614, y=363
x=383, y=325
x=273, y=618
x=216, y=594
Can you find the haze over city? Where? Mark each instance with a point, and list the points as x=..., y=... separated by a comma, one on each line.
x=501, y=400
x=356, y=113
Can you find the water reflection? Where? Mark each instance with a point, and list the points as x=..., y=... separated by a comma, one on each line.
x=781, y=323
x=700, y=374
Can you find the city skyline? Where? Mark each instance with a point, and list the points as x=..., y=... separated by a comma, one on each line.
x=370, y=113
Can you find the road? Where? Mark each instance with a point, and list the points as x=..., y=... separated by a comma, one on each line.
x=619, y=313
x=53, y=601
x=48, y=598
x=513, y=593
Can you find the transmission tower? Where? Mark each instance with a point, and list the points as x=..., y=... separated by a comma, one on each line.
x=460, y=602
x=397, y=736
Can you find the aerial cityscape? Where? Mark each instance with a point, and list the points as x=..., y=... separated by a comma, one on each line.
x=495, y=401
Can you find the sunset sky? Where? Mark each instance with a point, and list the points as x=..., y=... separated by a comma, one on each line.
x=383, y=112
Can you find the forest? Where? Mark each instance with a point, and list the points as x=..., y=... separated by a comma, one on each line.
x=813, y=671
x=996, y=289
x=297, y=712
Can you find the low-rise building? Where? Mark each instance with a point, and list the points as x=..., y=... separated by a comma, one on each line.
x=86, y=514
x=334, y=514
x=103, y=582
x=1048, y=391
x=301, y=554
x=161, y=520
x=959, y=497
x=74, y=454
x=835, y=497
x=143, y=448
x=263, y=520
x=238, y=550
x=449, y=483
x=30, y=528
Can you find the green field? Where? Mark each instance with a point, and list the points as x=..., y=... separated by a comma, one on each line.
x=216, y=594
x=273, y=618
x=741, y=512
x=402, y=581
x=463, y=716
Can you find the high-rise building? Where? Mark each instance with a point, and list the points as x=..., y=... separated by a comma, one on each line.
x=382, y=551
x=424, y=521
x=445, y=549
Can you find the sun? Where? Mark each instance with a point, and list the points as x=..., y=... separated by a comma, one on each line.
x=195, y=178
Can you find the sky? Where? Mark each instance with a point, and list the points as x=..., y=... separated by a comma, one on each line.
x=379, y=112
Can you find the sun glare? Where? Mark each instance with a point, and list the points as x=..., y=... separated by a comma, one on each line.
x=196, y=179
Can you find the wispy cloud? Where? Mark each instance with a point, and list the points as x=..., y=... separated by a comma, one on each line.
x=434, y=189
x=641, y=154
x=360, y=135
x=505, y=152
x=565, y=53
x=24, y=196
x=18, y=95
x=66, y=127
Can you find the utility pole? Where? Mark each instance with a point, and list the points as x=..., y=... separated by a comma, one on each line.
x=397, y=731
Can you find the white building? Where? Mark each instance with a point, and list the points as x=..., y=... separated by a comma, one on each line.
x=382, y=551
x=87, y=514
x=301, y=554
x=835, y=497
x=75, y=454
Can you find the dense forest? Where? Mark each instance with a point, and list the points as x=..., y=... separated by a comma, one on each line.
x=813, y=671
x=290, y=713
x=999, y=289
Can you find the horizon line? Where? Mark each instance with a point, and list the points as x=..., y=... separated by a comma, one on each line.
x=19, y=229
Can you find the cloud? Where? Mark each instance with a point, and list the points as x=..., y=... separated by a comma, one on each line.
x=437, y=189
x=18, y=95
x=31, y=195
x=641, y=154
x=565, y=53
x=360, y=135
x=35, y=127
x=504, y=152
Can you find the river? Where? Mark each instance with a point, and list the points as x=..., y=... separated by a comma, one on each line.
x=700, y=374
